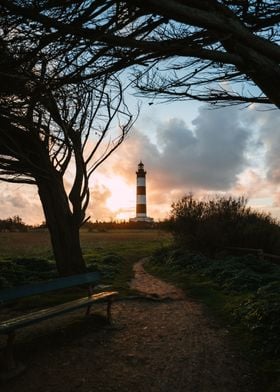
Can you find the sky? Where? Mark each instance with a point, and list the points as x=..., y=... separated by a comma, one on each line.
x=185, y=147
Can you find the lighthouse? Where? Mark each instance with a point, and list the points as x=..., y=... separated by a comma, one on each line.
x=141, y=201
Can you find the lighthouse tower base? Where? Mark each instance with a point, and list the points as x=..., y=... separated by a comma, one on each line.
x=141, y=219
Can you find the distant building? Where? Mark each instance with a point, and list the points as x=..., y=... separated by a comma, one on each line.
x=141, y=202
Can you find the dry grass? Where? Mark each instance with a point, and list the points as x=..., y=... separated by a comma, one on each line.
x=127, y=246
x=37, y=243
x=25, y=244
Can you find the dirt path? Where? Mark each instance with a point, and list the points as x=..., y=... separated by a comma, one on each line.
x=155, y=346
x=149, y=285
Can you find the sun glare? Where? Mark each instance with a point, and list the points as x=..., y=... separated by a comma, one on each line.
x=122, y=199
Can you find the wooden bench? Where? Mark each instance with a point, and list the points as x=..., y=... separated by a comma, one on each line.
x=9, y=295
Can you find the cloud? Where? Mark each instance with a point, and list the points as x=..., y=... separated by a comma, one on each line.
x=17, y=200
x=124, y=161
x=210, y=156
x=97, y=209
x=20, y=200
x=266, y=128
x=270, y=136
x=276, y=198
x=250, y=184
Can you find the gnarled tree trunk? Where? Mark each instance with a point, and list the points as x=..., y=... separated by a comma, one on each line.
x=62, y=225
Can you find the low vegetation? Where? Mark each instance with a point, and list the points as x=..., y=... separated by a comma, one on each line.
x=249, y=288
x=14, y=223
x=27, y=257
x=214, y=224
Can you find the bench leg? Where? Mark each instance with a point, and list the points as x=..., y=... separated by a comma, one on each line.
x=10, y=351
x=11, y=369
x=88, y=310
x=90, y=292
x=109, y=313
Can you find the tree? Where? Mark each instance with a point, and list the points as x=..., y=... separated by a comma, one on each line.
x=217, y=51
x=49, y=123
x=214, y=51
x=13, y=224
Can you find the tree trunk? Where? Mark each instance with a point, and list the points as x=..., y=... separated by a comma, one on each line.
x=64, y=230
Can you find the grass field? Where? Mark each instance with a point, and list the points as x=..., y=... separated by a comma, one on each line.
x=26, y=257
x=129, y=243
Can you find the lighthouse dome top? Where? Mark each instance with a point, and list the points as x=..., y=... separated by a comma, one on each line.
x=141, y=172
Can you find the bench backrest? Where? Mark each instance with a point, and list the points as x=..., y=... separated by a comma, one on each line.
x=14, y=293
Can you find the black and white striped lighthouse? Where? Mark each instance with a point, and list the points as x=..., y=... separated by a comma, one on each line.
x=141, y=201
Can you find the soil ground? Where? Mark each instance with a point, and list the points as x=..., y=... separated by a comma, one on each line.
x=160, y=342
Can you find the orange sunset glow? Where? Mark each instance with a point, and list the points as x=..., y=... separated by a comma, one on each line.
x=122, y=198
x=189, y=162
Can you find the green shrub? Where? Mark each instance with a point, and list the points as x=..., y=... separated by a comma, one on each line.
x=256, y=281
x=34, y=264
x=112, y=259
x=260, y=313
x=4, y=282
x=215, y=224
x=22, y=271
x=108, y=265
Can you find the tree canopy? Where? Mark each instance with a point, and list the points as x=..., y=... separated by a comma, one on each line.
x=216, y=51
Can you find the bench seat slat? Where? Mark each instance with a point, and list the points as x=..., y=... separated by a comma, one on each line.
x=44, y=314
x=14, y=293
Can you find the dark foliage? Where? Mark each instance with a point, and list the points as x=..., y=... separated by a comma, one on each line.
x=182, y=49
x=22, y=270
x=108, y=265
x=222, y=222
x=254, y=283
x=13, y=224
x=119, y=225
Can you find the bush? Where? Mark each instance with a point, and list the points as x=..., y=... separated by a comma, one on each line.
x=215, y=224
x=22, y=271
x=108, y=265
x=261, y=314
